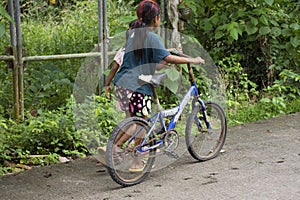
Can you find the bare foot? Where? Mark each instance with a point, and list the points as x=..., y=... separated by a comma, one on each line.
x=137, y=166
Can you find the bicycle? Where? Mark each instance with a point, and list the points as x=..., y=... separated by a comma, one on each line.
x=205, y=134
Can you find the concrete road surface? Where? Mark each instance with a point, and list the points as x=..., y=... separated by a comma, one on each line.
x=261, y=161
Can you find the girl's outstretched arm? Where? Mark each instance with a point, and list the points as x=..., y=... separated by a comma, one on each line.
x=183, y=60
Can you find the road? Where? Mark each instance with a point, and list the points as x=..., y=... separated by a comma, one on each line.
x=261, y=161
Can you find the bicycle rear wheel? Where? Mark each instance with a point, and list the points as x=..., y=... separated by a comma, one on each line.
x=120, y=158
x=204, y=144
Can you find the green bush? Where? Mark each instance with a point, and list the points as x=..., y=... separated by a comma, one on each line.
x=265, y=34
x=55, y=133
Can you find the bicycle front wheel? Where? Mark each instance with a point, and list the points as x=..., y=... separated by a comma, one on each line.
x=203, y=143
x=126, y=165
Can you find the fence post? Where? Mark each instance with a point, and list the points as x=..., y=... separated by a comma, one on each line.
x=102, y=39
x=106, y=36
x=19, y=58
x=13, y=42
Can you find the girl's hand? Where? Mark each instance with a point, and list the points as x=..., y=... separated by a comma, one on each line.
x=198, y=60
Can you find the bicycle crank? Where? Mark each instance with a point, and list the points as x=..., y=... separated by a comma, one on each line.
x=171, y=140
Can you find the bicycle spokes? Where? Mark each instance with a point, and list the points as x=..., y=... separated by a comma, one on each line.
x=205, y=142
x=127, y=163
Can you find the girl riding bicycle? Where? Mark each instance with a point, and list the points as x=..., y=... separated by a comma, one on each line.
x=144, y=53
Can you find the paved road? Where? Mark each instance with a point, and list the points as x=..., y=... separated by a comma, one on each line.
x=262, y=161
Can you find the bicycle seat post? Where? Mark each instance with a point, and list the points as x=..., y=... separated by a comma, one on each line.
x=156, y=100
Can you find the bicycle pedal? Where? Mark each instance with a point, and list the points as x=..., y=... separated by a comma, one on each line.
x=171, y=154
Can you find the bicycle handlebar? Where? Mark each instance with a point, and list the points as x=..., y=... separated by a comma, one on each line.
x=177, y=53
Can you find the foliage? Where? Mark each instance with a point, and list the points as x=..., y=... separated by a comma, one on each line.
x=121, y=16
x=246, y=104
x=53, y=133
x=256, y=45
x=287, y=86
x=265, y=33
x=48, y=88
x=52, y=30
x=94, y=120
x=264, y=109
x=237, y=85
x=49, y=84
x=49, y=127
x=6, y=94
x=46, y=132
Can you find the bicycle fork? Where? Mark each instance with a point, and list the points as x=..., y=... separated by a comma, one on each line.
x=204, y=113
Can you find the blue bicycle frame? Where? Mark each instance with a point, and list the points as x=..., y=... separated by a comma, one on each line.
x=175, y=112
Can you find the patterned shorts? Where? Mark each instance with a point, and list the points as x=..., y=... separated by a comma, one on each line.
x=136, y=103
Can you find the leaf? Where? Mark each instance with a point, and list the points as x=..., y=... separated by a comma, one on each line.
x=185, y=68
x=126, y=19
x=234, y=34
x=284, y=25
x=171, y=85
x=254, y=21
x=265, y=100
x=263, y=20
x=215, y=19
x=286, y=32
x=264, y=30
x=295, y=41
x=219, y=34
x=275, y=31
x=223, y=27
x=251, y=29
x=173, y=74
x=5, y=14
x=234, y=30
x=270, y=2
x=295, y=26
x=33, y=88
x=207, y=26
x=64, y=81
x=274, y=22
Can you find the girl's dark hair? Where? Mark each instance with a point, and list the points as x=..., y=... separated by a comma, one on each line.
x=131, y=25
x=147, y=10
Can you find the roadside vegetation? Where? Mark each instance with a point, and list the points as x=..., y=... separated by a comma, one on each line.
x=256, y=46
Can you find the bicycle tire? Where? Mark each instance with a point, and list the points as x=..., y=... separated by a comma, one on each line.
x=202, y=144
x=118, y=168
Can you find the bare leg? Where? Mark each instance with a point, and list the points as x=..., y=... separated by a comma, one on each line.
x=126, y=135
x=125, y=138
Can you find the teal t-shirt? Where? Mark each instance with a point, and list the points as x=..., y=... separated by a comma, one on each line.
x=131, y=68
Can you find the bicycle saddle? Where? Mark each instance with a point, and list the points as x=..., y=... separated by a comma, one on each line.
x=154, y=79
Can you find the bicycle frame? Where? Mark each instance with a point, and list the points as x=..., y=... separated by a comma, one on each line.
x=175, y=112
